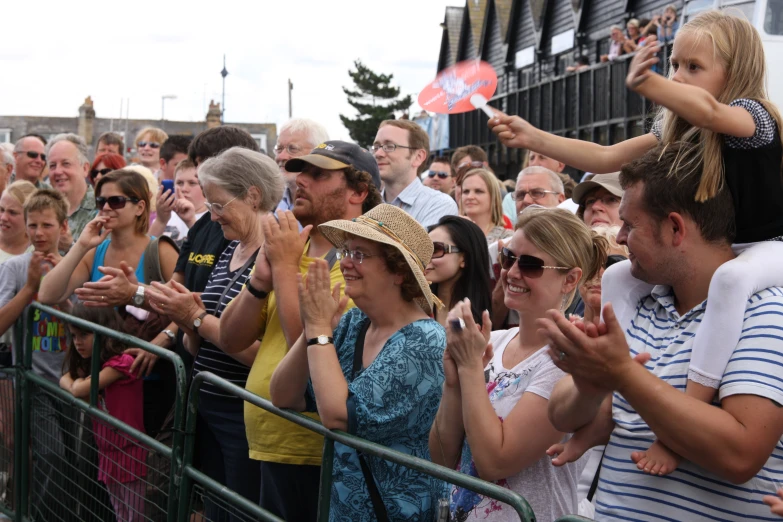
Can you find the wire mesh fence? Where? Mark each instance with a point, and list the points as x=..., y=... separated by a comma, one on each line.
x=85, y=469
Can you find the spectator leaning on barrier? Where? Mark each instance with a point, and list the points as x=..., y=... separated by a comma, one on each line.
x=617, y=40
x=401, y=148
x=383, y=346
x=731, y=448
x=667, y=24
x=338, y=180
x=68, y=170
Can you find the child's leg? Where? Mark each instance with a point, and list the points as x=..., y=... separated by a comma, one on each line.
x=127, y=499
x=624, y=291
x=595, y=433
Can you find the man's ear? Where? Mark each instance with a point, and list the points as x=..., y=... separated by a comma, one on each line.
x=677, y=227
x=162, y=163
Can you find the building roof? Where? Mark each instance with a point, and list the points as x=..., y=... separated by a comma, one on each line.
x=453, y=23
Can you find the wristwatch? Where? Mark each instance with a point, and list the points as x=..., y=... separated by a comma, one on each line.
x=171, y=335
x=198, y=321
x=321, y=340
x=138, y=297
x=258, y=294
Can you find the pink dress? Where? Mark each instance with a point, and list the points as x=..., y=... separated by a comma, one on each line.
x=121, y=457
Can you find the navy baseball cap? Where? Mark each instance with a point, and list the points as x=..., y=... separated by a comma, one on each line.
x=336, y=155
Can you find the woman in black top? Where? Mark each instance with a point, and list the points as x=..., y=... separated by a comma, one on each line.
x=242, y=187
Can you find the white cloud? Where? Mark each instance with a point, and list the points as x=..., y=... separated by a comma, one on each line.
x=60, y=52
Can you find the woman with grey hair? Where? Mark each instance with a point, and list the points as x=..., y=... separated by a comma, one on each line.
x=242, y=187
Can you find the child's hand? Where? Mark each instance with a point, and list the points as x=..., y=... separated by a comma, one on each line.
x=775, y=503
x=639, y=70
x=512, y=131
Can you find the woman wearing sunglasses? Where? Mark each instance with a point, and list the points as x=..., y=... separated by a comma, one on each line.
x=493, y=417
x=105, y=163
x=459, y=267
x=483, y=204
x=148, y=142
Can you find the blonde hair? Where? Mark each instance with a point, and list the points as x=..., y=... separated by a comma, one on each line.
x=609, y=232
x=152, y=183
x=560, y=234
x=493, y=187
x=20, y=190
x=47, y=198
x=737, y=45
x=155, y=133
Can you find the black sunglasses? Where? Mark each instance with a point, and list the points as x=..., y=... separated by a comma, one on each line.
x=441, y=249
x=34, y=155
x=441, y=175
x=94, y=172
x=530, y=266
x=614, y=259
x=115, y=202
x=153, y=144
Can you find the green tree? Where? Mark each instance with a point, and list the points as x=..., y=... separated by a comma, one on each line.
x=375, y=99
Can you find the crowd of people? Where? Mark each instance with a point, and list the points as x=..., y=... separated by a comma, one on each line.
x=551, y=337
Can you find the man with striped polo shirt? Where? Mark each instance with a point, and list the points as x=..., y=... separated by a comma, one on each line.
x=732, y=452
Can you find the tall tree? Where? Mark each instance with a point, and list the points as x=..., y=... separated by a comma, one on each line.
x=375, y=99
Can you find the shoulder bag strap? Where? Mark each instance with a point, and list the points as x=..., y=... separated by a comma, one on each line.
x=375, y=496
x=594, y=485
x=237, y=275
x=331, y=258
x=152, y=268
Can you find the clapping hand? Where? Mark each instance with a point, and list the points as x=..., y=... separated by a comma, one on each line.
x=115, y=288
x=284, y=244
x=320, y=306
x=468, y=345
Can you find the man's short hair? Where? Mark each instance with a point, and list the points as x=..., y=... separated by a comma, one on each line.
x=668, y=189
x=176, y=144
x=555, y=182
x=76, y=140
x=6, y=158
x=213, y=141
x=47, y=198
x=360, y=180
x=443, y=159
x=316, y=133
x=185, y=164
x=34, y=135
x=475, y=152
x=417, y=137
x=112, y=138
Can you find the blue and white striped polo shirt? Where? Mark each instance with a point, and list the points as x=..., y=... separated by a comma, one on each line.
x=692, y=493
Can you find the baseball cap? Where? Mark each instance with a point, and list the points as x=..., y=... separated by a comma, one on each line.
x=336, y=155
x=610, y=182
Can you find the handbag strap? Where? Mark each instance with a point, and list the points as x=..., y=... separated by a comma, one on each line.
x=237, y=275
x=594, y=485
x=375, y=496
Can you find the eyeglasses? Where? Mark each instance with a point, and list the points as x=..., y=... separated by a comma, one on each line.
x=441, y=249
x=388, y=147
x=441, y=175
x=462, y=168
x=355, y=255
x=293, y=150
x=94, y=172
x=152, y=144
x=614, y=259
x=217, y=208
x=115, y=202
x=32, y=154
x=535, y=194
x=608, y=200
x=530, y=266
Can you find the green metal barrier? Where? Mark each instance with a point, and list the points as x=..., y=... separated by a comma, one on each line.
x=7, y=436
x=516, y=501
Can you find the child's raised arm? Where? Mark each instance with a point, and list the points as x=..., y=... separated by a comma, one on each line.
x=694, y=104
x=80, y=388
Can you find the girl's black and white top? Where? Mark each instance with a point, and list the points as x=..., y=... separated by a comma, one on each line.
x=210, y=358
x=753, y=176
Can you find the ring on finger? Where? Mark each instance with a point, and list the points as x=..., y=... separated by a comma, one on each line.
x=562, y=356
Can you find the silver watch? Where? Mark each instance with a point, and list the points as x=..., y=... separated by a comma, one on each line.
x=171, y=335
x=138, y=297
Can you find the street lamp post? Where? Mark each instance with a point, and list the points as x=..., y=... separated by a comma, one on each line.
x=163, y=106
x=223, y=73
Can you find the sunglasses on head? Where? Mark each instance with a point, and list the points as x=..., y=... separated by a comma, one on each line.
x=614, y=259
x=441, y=175
x=95, y=172
x=441, y=249
x=115, y=202
x=530, y=266
x=34, y=155
x=153, y=144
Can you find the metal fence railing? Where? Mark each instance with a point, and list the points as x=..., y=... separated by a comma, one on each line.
x=60, y=478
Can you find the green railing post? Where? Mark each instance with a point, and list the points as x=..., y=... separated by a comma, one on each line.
x=325, y=491
x=189, y=448
x=95, y=368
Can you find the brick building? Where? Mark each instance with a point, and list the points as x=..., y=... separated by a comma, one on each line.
x=87, y=125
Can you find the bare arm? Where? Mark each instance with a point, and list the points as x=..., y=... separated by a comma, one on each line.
x=69, y=274
x=570, y=410
x=80, y=388
x=289, y=382
x=448, y=431
x=240, y=323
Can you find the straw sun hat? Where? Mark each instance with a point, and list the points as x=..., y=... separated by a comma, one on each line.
x=392, y=226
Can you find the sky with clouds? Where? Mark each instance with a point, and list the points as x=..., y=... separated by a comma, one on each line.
x=56, y=53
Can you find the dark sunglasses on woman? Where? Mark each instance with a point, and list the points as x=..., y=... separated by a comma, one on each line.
x=115, y=202
x=153, y=144
x=441, y=175
x=530, y=266
x=94, y=173
x=441, y=249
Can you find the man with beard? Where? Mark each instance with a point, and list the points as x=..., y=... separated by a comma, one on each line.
x=338, y=180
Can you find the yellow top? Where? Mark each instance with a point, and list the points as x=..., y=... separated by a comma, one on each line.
x=272, y=438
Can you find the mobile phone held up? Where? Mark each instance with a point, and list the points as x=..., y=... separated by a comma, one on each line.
x=168, y=184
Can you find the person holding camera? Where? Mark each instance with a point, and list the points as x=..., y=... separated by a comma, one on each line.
x=667, y=24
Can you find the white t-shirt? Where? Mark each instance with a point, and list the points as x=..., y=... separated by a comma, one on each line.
x=551, y=491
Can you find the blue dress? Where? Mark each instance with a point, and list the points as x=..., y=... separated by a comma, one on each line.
x=391, y=402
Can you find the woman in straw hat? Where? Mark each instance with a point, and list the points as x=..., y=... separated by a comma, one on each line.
x=493, y=416
x=375, y=372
